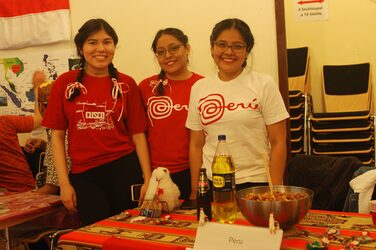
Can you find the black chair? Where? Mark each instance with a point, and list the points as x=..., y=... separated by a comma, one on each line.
x=327, y=176
x=297, y=66
x=346, y=126
x=299, y=98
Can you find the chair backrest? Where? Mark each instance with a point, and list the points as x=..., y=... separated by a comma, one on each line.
x=327, y=176
x=297, y=65
x=347, y=88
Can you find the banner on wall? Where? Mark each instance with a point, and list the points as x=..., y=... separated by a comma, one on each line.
x=29, y=22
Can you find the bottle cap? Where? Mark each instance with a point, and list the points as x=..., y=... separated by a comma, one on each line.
x=221, y=137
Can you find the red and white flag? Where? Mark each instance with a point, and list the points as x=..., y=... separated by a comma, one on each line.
x=33, y=22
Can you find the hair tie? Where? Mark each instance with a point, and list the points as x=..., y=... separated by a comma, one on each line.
x=72, y=87
x=116, y=90
x=155, y=84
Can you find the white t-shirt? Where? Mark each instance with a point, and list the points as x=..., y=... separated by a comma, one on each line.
x=240, y=109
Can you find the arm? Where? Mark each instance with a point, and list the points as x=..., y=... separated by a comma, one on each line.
x=67, y=193
x=196, y=143
x=142, y=151
x=277, y=139
x=48, y=189
x=38, y=79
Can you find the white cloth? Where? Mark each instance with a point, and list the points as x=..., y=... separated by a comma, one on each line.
x=240, y=109
x=39, y=133
x=30, y=23
x=364, y=185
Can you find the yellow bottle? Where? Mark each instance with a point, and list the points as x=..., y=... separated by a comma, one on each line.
x=223, y=176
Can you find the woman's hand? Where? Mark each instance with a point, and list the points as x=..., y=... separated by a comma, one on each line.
x=68, y=197
x=143, y=190
x=32, y=144
x=38, y=78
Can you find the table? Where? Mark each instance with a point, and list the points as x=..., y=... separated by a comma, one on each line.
x=22, y=208
x=180, y=232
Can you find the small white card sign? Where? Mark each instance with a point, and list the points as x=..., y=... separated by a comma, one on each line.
x=217, y=236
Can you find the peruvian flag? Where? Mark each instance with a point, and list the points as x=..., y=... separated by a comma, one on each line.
x=25, y=23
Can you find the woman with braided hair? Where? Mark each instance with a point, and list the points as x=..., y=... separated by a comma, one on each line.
x=102, y=111
x=166, y=97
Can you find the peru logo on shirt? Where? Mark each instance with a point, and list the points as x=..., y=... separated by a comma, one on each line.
x=213, y=106
x=160, y=107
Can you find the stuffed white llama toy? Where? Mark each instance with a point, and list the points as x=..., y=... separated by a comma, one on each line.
x=163, y=189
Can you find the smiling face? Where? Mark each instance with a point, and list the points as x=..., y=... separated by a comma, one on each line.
x=175, y=59
x=229, y=59
x=98, y=51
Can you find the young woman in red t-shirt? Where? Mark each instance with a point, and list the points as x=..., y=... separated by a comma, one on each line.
x=102, y=110
x=166, y=98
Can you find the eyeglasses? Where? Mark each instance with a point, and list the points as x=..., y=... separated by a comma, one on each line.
x=173, y=50
x=223, y=46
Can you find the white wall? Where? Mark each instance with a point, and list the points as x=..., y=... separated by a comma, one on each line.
x=137, y=21
x=347, y=37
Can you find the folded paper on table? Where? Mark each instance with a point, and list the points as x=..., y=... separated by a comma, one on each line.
x=215, y=236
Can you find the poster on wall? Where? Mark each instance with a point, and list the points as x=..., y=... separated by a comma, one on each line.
x=311, y=10
x=16, y=88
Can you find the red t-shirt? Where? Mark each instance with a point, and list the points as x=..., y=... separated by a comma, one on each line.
x=15, y=173
x=167, y=135
x=95, y=135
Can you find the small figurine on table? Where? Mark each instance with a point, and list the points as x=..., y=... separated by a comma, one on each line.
x=162, y=194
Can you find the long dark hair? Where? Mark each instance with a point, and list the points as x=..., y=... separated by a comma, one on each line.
x=239, y=25
x=179, y=35
x=88, y=28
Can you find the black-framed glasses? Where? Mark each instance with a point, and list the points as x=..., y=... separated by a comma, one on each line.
x=172, y=49
x=236, y=47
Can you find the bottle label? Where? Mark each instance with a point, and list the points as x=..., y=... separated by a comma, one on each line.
x=203, y=187
x=224, y=182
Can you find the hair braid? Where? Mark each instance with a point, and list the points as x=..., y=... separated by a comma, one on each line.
x=112, y=71
x=160, y=88
x=76, y=91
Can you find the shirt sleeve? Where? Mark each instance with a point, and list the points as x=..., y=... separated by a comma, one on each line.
x=54, y=117
x=136, y=122
x=274, y=109
x=19, y=124
x=193, y=118
x=143, y=87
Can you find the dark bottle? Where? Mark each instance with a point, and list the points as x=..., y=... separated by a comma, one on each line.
x=203, y=195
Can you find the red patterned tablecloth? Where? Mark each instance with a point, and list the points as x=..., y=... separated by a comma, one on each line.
x=27, y=216
x=17, y=207
x=179, y=232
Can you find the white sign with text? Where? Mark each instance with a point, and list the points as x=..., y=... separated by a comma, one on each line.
x=311, y=10
x=217, y=236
